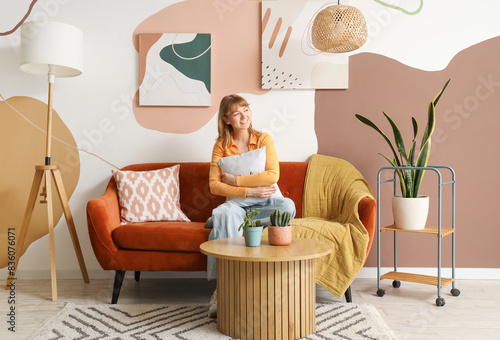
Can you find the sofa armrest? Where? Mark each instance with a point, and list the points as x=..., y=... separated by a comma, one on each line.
x=367, y=210
x=103, y=216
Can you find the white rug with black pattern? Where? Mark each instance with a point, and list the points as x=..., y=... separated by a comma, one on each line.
x=333, y=321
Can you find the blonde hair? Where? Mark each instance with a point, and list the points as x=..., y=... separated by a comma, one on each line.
x=228, y=104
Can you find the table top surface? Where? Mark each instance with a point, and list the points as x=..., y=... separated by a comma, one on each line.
x=234, y=249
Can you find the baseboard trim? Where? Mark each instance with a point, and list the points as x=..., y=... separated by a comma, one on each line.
x=365, y=273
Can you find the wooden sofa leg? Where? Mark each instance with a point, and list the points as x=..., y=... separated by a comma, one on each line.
x=347, y=294
x=119, y=275
x=137, y=275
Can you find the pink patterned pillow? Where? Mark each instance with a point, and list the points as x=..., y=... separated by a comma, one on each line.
x=147, y=196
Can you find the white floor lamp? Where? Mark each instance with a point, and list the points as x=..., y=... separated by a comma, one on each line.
x=53, y=49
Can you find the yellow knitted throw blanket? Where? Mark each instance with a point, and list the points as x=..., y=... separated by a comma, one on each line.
x=332, y=191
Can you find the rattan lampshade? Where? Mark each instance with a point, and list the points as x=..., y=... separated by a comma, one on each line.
x=339, y=29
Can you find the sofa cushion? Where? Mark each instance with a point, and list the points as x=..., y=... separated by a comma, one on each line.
x=149, y=195
x=196, y=200
x=162, y=236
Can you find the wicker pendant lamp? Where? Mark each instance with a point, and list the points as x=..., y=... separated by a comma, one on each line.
x=339, y=29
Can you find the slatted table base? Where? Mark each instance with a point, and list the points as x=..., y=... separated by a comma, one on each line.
x=266, y=300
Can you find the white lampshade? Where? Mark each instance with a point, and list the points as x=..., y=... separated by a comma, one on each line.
x=51, y=46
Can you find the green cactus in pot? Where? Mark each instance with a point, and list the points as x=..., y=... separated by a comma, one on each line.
x=280, y=218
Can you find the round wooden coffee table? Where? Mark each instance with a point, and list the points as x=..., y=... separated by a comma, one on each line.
x=266, y=292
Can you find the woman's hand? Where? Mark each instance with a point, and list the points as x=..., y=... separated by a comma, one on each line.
x=267, y=191
x=228, y=179
x=261, y=191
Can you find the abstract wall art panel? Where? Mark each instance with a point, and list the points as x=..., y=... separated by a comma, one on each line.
x=174, y=69
x=289, y=60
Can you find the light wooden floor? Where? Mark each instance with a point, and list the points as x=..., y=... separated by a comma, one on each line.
x=409, y=310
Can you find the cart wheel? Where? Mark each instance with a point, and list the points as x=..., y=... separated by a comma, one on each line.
x=381, y=292
x=440, y=302
x=455, y=292
x=396, y=284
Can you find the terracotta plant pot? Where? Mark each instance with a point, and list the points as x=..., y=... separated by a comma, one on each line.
x=280, y=236
x=410, y=213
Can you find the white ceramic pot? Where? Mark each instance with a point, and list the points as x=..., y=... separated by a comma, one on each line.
x=410, y=213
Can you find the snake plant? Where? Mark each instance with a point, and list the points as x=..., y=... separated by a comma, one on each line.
x=410, y=180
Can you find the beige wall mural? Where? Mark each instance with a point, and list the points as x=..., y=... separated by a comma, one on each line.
x=466, y=138
x=233, y=51
x=23, y=147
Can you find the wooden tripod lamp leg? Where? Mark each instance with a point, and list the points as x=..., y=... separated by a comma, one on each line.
x=35, y=187
x=71, y=225
x=50, y=220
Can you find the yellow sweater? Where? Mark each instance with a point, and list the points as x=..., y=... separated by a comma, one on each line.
x=268, y=177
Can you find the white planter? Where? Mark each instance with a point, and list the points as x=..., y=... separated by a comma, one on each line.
x=410, y=213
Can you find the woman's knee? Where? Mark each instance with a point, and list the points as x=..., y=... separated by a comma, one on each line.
x=226, y=219
x=290, y=207
x=285, y=204
x=228, y=209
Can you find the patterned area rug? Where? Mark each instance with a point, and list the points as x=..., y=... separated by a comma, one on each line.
x=333, y=321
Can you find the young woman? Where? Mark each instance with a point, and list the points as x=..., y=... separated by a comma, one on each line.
x=236, y=137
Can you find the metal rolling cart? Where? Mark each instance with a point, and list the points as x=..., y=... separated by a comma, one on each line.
x=440, y=231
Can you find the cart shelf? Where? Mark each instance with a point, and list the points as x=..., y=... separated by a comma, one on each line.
x=417, y=278
x=427, y=230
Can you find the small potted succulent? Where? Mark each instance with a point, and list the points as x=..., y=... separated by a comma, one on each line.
x=280, y=231
x=252, y=228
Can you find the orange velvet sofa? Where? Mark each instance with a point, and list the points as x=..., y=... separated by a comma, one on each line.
x=174, y=246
